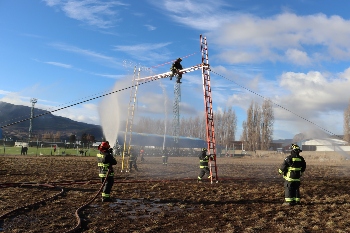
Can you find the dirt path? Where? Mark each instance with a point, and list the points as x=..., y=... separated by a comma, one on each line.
x=162, y=198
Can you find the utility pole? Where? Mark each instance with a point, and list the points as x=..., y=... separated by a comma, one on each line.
x=33, y=101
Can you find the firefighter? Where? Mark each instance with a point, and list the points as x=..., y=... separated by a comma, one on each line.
x=292, y=169
x=132, y=160
x=175, y=68
x=141, y=155
x=203, y=165
x=105, y=161
x=165, y=157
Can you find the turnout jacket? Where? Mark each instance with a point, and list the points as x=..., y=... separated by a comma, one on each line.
x=293, y=167
x=132, y=156
x=203, y=160
x=105, y=161
x=176, y=66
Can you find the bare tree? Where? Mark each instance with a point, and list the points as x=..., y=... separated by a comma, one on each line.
x=249, y=134
x=244, y=136
x=258, y=129
x=267, y=124
x=347, y=124
x=225, y=127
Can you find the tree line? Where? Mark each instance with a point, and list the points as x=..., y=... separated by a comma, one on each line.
x=257, y=129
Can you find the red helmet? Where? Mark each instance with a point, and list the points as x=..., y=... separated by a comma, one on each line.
x=103, y=146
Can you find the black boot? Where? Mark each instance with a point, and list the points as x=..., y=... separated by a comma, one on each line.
x=107, y=199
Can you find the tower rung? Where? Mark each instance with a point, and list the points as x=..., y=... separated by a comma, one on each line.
x=167, y=74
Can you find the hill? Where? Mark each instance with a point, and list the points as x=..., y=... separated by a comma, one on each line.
x=10, y=114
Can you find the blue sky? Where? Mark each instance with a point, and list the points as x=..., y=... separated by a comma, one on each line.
x=295, y=53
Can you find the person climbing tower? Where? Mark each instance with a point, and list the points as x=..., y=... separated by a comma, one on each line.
x=175, y=68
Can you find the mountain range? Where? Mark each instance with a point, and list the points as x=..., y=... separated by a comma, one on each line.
x=15, y=122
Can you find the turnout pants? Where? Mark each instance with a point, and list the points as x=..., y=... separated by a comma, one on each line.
x=203, y=171
x=165, y=160
x=132, y=163
x=107, y=187
x=291, y=191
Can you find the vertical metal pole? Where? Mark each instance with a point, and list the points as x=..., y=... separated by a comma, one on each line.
x=33, y=101
x=166, y=114
x=176, y=112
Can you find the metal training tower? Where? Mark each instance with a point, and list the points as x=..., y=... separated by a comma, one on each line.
x=130, y=119
x=176, y=112
x=208, y=104
x=33, y=101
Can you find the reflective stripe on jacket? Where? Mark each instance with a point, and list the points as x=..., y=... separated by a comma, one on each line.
x=105, y=162
x=293, y=167
x=203, y=163
x=203, y=160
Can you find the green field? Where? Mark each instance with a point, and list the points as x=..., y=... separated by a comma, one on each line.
x=46, y=151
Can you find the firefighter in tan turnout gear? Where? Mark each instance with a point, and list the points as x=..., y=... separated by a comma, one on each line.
x=292, y=169
x=105, y=161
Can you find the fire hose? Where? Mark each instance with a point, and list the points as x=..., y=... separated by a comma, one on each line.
x=36, y=203
x=86, y=204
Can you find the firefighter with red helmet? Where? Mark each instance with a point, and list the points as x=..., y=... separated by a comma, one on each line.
x=141, y=155
x=203, y=164
x=175, y=68
x=105, y=162
x=292, y=169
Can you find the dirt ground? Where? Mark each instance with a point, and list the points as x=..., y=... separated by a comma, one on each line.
x=43, y=194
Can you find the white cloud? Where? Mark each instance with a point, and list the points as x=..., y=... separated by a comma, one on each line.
x=146, y=51
x=302, y=101
x=297, y=57
x=88, y=53
x=284, y=36
x=52, y=2
x=101, y=14
x=201, y=15
x=150, y=27
x=3, y=92
x=246, y=38
x=313, y=98
x=59, y=64
x=315, y=90
x=112, y=76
